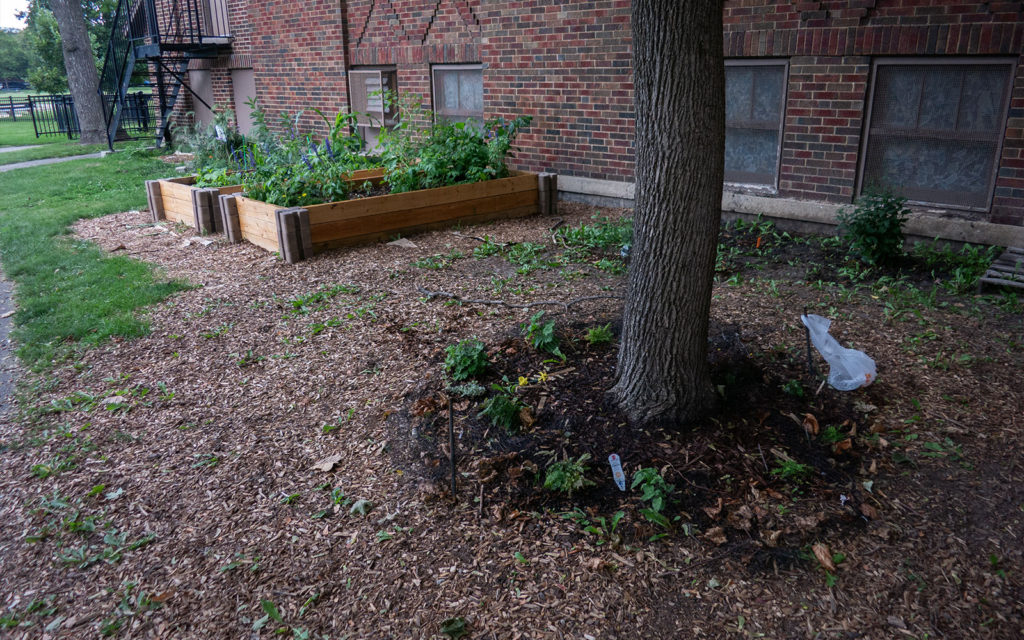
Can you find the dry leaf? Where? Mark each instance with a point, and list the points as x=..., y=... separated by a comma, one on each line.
x=824, y=556
x=741, y=518
x=526, y=417
x=810, y=424
x=595, y=564
x=877, y=427
x=461, y=406
x=771, y=538
x=762, y=415
x=869, y=511
x=716, y=535
x=842, y=446
x=714, y=511
x=328, y=463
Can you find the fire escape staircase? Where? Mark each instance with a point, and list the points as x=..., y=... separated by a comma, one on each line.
x=166, y=35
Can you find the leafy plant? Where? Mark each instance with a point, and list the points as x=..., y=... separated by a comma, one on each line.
x=600, y=334
x=792, y=470
x=653, y=487
x=465, y=360
x=568, y=475
x=503, y=409
x=874, y=228
x=605, y=529
x=541, y=335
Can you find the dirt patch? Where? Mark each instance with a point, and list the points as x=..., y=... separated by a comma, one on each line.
x=168, y=486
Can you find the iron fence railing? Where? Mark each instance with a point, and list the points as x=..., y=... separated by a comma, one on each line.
x=53, y=115
x=14, y=109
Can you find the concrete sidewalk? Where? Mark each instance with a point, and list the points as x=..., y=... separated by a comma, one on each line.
x=37, y=163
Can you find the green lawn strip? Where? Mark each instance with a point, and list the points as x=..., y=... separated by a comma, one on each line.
x=21, y=132
x=69, y=294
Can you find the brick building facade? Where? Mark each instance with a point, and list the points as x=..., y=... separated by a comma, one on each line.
x=823, y=97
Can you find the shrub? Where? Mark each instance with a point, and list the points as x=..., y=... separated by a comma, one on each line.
x=874, y=228
x=568, y=475
x=465, y=360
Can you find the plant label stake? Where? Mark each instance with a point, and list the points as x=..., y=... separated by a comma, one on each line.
x=620, y=478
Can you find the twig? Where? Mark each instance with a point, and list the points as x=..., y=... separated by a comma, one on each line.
x=526, y=305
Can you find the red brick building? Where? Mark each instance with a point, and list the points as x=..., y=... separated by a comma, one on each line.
x=824, y=98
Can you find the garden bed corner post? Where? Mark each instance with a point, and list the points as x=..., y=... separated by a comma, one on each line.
x=206, y=210
x=155, y=200
x=229, y=218
x=293, y=234
x=547, y=193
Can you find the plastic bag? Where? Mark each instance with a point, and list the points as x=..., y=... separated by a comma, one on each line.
x=849, y=369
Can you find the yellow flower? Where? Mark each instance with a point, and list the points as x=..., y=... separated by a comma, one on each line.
x=523, y=381
x=542, y=376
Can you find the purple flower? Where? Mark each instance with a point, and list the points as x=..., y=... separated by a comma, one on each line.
x=327, y=145
x=308, y=163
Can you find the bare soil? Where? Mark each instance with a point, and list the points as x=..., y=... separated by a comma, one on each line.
x=171, y=486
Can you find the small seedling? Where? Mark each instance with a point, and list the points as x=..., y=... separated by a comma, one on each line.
x=504, y=408
x=568, y=475
x=792, y=470
x=541, y=335
x=655, y=490
x=600, y=335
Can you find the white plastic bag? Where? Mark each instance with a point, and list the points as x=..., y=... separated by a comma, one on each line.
x=849, y=369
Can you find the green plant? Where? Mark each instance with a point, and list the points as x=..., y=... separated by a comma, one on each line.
x=605, y=529
x=541, y=335
x=874, y=229
x=794, y=388
x=653, y=487
x=503, y=409
x=568, y=475
x=468, y=390
x=466, y=359
x=600, y=334
x=792, y=470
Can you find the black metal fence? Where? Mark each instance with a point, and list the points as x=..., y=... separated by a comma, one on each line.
x=54, y=115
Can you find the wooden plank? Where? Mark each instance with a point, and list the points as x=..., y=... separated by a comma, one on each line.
x=229, y=217
x=339, y=243
x=409, y=218
x=1019, y=284
x=348, y=209
x=177, y=190
x=186, y=180
x=156, y=203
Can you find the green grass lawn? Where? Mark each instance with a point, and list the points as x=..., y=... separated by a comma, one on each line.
x=70, y=295
x=20, y=132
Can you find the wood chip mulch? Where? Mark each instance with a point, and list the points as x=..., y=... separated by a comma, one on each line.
x=173, y=486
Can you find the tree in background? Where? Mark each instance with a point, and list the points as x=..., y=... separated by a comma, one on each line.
x=80, y=64
x=679, y=87
x=14, y=59
x=46, y=57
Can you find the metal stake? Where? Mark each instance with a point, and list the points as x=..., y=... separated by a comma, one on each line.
x=807, y=334
x=451, y=443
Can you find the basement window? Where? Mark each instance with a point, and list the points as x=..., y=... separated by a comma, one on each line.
x=934, y=129
x=459, y=93
x=755, y=96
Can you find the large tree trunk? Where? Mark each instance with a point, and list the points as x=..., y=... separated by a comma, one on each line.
x=679, y=80
x=81, y=67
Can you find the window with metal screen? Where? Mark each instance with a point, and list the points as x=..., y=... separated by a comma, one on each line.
x=366, y=89
x=755, y=96
x=935, y=130
x=459, y=93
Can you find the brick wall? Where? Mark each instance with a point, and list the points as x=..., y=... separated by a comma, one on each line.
x=568, y=64
x=830, y=45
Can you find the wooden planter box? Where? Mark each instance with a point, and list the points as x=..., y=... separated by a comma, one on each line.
x=300, y=233
x=177, y=200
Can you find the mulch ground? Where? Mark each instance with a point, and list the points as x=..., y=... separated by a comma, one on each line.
x=282, y=437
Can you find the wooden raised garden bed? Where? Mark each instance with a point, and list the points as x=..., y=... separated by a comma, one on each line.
x=177, y=200
x=300, y=233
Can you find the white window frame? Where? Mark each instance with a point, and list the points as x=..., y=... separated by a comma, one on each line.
x=458, y=117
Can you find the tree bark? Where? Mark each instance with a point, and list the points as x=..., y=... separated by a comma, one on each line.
x=80, y=64
x=679, y=86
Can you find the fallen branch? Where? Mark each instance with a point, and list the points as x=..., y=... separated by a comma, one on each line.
x=430, y=295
